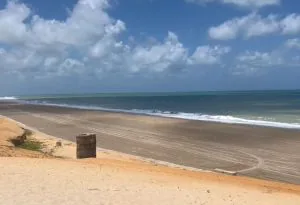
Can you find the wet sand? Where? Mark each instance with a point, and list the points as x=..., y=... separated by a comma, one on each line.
x=267, y=153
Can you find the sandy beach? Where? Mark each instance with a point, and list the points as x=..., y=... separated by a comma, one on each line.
x=37, y=181
x=260, y=152
x=116, y=178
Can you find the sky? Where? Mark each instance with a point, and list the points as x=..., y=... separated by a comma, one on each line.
x=92, y=46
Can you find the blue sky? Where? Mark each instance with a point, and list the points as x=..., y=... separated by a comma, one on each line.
x=80, y=46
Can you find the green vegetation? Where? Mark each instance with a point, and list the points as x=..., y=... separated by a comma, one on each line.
x=32, y=145
x=25, y=142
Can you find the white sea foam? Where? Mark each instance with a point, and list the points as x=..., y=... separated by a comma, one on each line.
x=232, y=120
x=181, y=115
x=8, y=98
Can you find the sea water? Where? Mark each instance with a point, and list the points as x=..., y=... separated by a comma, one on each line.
x=265, y=108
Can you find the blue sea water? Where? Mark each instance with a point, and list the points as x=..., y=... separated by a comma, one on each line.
x=266, y=108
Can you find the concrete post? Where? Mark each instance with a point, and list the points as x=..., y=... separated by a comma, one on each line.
x=86, y=146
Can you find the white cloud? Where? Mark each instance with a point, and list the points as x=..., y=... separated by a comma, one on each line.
x=156, y=56
x=12, y=28
x=104, y=47
x=241, y=3
x=70, y=66
x=293, y=43
x=86, y=42
x=260, y=59
x=208, y=55
x=50, y=61
x=261, y=26
x=253, y=3
x=291, y=24
x=256, y=62
x=41, y=45
x=226, y=31
x=19, y=61
x=160, y=56
x=87, y=22
x=255, y=25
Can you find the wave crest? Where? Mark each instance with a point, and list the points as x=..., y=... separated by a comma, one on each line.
x=182, y=115
x=8, y=98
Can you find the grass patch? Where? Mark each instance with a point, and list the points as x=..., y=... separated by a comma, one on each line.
x=32, y=145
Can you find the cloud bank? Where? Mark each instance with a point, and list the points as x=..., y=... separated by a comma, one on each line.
x=241, y=3
x=88, y=42
x=254, y=25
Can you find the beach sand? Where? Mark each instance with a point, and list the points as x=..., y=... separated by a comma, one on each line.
x=260, y=152
x=116, y=178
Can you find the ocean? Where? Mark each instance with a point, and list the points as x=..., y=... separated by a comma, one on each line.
x=265, y=108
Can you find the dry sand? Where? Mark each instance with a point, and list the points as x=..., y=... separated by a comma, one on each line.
x=43, y=181
x=8, y=131
x=115, y=178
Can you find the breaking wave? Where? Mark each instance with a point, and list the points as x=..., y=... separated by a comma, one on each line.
x=182, y=115
x=8, y=98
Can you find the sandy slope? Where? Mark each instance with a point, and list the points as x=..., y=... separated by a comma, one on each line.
x=46, y=181
x=8, y=131
x=115, y=178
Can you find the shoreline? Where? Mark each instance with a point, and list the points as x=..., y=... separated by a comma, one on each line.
x=135, y=163
x=169, y=115
x=248, y=150
x=118, y=178
x=102, y=150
